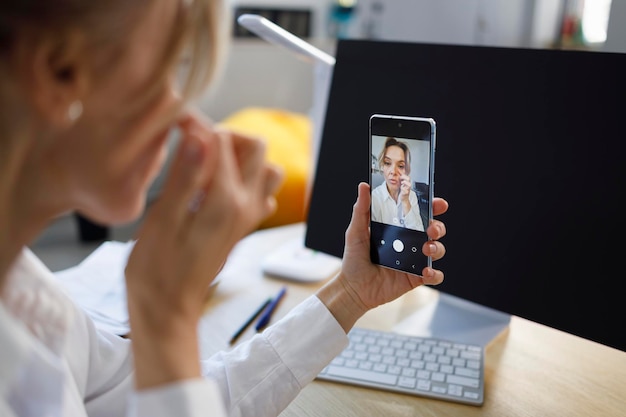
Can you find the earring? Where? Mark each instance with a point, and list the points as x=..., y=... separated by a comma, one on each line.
x=75, y=111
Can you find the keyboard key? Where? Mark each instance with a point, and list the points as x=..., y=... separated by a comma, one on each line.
x=389, y=360
x=423, y=374
x=471, y=394
x=455, y=390
x=439, y=389
x=472, y=373
x=432, y=367
x=394, y=370
x=423, y=384
x=461, y=380
x=380, y=367
x=438, y=377
x=375, y=358
x=470, y=355
x=359, y=374
x=406, y=382
x=404, y=362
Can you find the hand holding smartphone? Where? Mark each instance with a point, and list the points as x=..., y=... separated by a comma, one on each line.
x=401, y=182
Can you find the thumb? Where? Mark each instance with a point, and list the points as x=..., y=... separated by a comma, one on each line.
x=359, y=224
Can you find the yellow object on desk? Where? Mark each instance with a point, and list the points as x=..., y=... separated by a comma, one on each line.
x=288, y=138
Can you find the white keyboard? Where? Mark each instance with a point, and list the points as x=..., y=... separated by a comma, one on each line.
x=426, y=367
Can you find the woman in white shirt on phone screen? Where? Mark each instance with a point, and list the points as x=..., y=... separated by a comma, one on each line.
x=394, y=202
x=89, y=90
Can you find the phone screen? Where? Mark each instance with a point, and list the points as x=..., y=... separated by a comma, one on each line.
x=401, y=181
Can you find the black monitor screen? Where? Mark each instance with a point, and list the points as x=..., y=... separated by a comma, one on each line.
x=530, y=156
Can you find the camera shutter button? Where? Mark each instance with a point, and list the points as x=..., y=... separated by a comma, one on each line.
x=398, y=246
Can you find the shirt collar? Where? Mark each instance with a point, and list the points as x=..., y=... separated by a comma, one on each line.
x=387, y=195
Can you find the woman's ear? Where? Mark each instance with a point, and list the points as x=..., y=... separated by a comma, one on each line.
x=55, y=75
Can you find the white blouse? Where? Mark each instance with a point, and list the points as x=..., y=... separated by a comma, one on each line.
x=386, y=210
x=54, y=362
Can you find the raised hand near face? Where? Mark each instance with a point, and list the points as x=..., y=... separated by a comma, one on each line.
x=219, y=189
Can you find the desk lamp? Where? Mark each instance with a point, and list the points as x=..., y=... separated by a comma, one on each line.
x=293, y=260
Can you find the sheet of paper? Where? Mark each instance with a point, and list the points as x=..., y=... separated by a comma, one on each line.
x=97, y=285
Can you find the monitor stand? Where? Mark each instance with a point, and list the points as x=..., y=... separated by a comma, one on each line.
x=455, y=319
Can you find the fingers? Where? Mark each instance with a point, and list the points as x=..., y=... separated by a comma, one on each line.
x=440, y=206
x=250, y=155
x=253, y=169
x=362, y=205
x=256, y=180
x=240, y=194
x=433, y=248
x=274, y=177
x=360, y=215
x=189, y=171
x=220, y=177
x=228, y=173
x=436, y=230
x=361, y=209
x=405, y=184
x=431, y=276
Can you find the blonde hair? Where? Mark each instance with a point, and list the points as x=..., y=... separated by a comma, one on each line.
x=199, y=36
x=391, y=141
x=206, y=41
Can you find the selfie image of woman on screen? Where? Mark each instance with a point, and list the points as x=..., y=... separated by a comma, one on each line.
x=393, y=201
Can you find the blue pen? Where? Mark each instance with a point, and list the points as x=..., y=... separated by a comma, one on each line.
x=267, y=314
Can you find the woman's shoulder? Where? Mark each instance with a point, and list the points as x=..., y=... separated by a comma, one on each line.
x=380, y=189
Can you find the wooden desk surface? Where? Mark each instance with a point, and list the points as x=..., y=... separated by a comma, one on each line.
x=530, y=369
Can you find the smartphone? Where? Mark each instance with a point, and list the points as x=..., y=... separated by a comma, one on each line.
x=402, y=171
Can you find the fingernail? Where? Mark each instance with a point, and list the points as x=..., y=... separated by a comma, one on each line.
x=428, y=273
x=432, y=248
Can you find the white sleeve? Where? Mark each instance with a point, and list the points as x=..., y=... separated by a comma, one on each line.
x=191, y=398
x=101, y=364
x=262, y=376
x=108, y=385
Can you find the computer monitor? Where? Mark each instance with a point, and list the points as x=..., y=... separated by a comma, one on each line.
x=530, y=156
